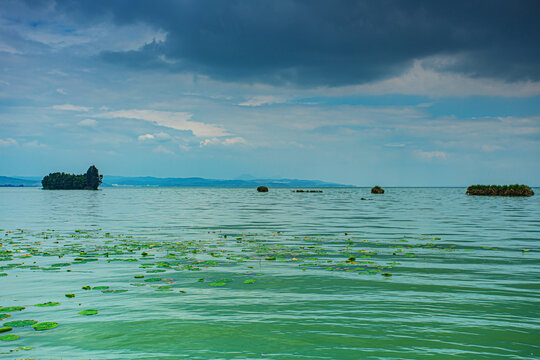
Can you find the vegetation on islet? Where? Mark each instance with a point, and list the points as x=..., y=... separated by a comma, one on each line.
x=500, y=190
x=62, y=181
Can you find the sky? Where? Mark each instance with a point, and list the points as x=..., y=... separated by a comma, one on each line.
x=410, y=93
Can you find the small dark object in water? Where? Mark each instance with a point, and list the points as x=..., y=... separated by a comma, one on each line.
x=308, y=191
x=377, y=190
x=498, y=190
x=262, y=189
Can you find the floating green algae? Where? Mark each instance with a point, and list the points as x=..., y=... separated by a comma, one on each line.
x=47, y=304
x=164, y=288
x=4, y=316
x=23, y=348
x=12, y=308
x=47, y=325
x=10, y=337
x=100, y=287
x=88, y=312
x=5, y=329
x=181, y=257
x=61, y=265
x=117, y=291
x=20, y=323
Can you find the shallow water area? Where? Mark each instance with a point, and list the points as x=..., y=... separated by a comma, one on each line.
x=206, y=273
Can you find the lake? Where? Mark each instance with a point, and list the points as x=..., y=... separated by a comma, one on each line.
x=228, y=273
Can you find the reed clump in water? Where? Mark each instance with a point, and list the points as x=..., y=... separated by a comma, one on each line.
x=500, y=190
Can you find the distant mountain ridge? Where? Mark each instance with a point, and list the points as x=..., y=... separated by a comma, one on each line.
x=11, y=181
x=150, y=181
x=110, y=180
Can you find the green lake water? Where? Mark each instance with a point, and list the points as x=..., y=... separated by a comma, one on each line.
x=416, y=273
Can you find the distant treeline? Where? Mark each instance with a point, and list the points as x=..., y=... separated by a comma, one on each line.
x=62, y=181
x=500, y=190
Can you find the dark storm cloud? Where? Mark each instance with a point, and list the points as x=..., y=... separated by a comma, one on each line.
x=329, y=42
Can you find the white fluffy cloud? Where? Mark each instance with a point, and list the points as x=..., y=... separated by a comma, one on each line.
x=430, y=155
x=158, y=136
x=146, y=137
x=88, y=123
x=173, y=120
x=69, y=107
x=262, y=100
x=8, y=142
x=227, y=141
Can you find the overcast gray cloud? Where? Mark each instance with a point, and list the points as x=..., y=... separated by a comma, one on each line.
x=324, y=42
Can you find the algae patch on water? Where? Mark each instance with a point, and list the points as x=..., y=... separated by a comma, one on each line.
x=47, y=304
x=5, y=329
x=100, y=287
x=47, y=325
x=88, y=312
x=230, y=263
x=10, y=337
x=12, y=308
x=20, y=323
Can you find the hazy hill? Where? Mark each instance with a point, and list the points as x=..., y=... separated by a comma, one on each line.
x=119, y=181
x=11, y=181
x=109, y=180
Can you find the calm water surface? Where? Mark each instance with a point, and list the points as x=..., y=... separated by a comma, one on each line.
x=464, y=280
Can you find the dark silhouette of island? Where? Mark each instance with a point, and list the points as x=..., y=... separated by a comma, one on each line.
x=498, y=190
x=62, y=181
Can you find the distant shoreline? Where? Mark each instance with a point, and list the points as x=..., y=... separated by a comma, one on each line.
x=110, y=181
